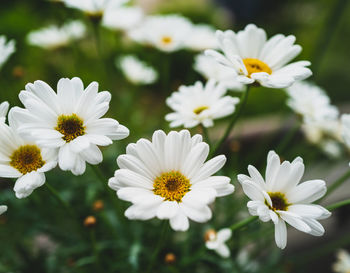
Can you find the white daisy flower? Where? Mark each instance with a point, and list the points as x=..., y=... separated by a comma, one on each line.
x=168, y=179
x=342, y=265
x=165, y=32
x=202, y=37
x=211, y=69
x=311, y=102
x=281, y=198
x=7, y=48
x=94, y=8
x=216, y=241
x=3, y=209
x=257, y=59
x=122, y=18
x=198, y=104
x=69, y=120
x=53, y=37
x=23, y=159
x=136, y=71
x=4, y=107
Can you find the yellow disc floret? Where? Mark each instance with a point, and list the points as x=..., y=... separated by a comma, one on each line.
x=27, y=158
x=70, y=126
x=166, y=40
x=200, y=109
x=255, y=66
x=172, y=186
x=279, y=201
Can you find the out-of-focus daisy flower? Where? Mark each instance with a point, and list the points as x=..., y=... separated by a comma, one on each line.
x=197, y=104
x=3, y=209
x=69, y=121
x=216, y=241
x=320, y=122
x=23, y=159
x=94, y=8
x=6, y=49
x=53, y=37
x=168, y=179
x=211, y=69
x=342, y=265
x=245, y=262
x=165, y=32
x=202, y=37
x=282, y=199
x=257, y=59
x=4, y=107
x=136, y=71
x=122, y=18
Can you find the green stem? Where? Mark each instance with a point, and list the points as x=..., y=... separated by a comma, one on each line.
x=243, y=223
x=235, y=116
x=161, y=241
x=56, y=195
x=338, y=205
x=206, y=134
x=336, y=184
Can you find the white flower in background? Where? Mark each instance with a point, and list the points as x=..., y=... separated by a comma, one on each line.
x=168, y=179
x=3, y=209
x=345, y=129
x=342, y=265
x=216, y=241
x=311, y=102
x=136, y=71
x=257, y=59
x=211, y=69
x=202, y=37
x=198, y=104
x=53, y=37
x=23, y=159
x=69, y=121
x=4, y=107
x=94, y=8
x=122, y=18
x=165, y=32
x=246, y=262
x=282, y=199
x=6, y=49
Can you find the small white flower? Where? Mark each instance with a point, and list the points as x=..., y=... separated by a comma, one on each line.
x=6, y=49
x=342, y=265
x=122, y=18
x=94, y=8
x=4, y=107
x=3, y=209
x=211, y=69
x=281, y=198
x=197, y=104
x=167, y=33
x=202, y=37
x=311, y=102
x=53, y=37
x=69, y=121
x=168, y=179
x=257, y=59
x=136, y=71
x=23, y=159
x=216, y=241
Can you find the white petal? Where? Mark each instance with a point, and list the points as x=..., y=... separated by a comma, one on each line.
x=3, y=209
x=179, y=222
x=307, y=192
x=167, y=210
x=26, y=184
x=9, y=172
x=281, y=234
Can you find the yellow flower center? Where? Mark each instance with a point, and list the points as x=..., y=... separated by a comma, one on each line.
x=27, y=158
x=166, y=40
x=70, y=127
x=200, y=109
x=172, y=186
x=256, y=66
x=279, y=201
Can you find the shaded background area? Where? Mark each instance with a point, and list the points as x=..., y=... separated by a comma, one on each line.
x=322, y=28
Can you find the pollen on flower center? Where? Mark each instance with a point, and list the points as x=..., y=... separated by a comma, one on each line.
x=71, y=126
x=172, y=186
x=27, y=158
x=279, y=201
x=166, y=40
x=255, y=66
x=200, y=109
